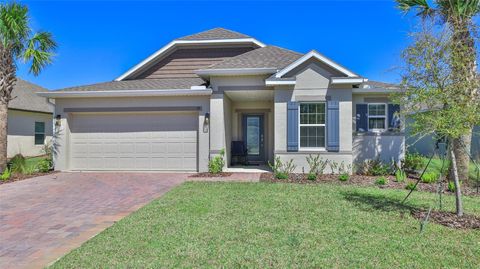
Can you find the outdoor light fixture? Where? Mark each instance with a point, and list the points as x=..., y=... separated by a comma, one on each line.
x=206, y=122
x=58, y=120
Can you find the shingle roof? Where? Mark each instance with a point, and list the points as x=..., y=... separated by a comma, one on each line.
x=266, y=57
x=25, y=97
x=140, y=84
x=216, y=33
x=379, y=84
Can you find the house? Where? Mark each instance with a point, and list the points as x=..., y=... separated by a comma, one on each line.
x=195, y=96
x=29, y=120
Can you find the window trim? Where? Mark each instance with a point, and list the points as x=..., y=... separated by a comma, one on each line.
x=385, y=117
x=303, y=125
x=42, y=133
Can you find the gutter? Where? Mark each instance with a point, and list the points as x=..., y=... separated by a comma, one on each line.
x=126, y=93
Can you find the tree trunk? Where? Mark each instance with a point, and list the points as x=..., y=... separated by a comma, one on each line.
x=7, y=82
x=456, y=181
x=3, y=135
x=461, y=147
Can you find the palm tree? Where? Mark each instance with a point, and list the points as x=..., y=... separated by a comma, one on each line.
x=458, y=16
x=18, y=42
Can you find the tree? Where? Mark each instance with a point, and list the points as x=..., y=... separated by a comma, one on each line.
x=434, y=96
x=18, y=42
x=457, y=15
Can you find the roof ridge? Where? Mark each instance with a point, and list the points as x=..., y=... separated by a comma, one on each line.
x=215, y=33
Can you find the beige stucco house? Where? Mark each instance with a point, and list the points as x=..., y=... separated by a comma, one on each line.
x=29, y=120
x=198, y=94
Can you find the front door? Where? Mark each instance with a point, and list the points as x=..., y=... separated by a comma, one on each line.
x=253, y=136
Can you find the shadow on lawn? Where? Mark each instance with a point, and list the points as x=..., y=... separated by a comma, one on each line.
x=371, y=202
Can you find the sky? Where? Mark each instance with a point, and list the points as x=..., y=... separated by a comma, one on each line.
x=99, y=41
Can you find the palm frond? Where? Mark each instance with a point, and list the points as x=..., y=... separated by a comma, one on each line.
x=14, y=28
x=39, y=51
x=462, y=9
x=421, y=7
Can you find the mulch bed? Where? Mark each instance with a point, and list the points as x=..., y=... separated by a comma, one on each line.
x=449, y=219
x=207, y=174
x=18, y=177
x=361, y=180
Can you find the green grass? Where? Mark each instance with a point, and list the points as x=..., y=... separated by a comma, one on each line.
x=261, y=225
x=33, y=161
x=436, y=166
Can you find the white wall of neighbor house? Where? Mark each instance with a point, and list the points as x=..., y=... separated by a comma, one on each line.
x=313, y=85
x=21, y=132
x=386, y=146
x=63, y=132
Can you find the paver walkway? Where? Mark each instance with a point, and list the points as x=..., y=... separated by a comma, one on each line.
x=45, y=217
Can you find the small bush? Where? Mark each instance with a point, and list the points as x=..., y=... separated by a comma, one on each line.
x=375, y=168
x=412, y=161
x=6, y=174
x=282, y=170
x=317, y=164
x=281, y=175
x=429, y=177
x=17, y=164
x=343, y=177
x=400, y=175
x=312, y=176
x=44, y=165
x=216, y=164
x=410, y=186
x=381, y=181
x=451, y=186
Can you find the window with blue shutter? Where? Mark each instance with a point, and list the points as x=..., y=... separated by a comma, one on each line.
x=362, y=118
x=292, y=126
x=333, y=126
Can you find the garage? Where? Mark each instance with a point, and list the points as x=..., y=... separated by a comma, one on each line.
x=162, y=141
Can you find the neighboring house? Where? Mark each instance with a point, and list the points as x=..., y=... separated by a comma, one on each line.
x=192, y=98
x=29, y=120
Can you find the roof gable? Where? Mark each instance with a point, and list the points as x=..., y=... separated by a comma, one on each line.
x=215, y=34
x=319, y=57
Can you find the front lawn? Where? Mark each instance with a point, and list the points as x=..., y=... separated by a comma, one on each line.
x=436, y=166
x=263, y=225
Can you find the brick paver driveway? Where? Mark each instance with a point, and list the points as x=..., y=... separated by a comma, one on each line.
x=45, y=217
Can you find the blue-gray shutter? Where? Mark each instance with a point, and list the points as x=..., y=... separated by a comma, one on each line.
x=292, y=126
x=333, y=126
x=362, y=118
x=392, y=109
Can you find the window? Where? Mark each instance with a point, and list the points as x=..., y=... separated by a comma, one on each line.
x=312, y=125
x=377, y=117
x=39, y=133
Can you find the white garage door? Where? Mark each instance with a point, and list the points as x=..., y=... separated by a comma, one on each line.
x=134, y=141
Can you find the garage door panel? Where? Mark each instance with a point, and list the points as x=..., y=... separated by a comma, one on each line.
x=155, y=141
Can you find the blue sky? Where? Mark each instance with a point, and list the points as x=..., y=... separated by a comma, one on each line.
x=98, y=41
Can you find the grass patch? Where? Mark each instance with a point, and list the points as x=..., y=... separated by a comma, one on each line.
x=436, y=166
x=263, y=225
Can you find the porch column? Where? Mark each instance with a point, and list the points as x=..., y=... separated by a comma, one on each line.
x=217, y=124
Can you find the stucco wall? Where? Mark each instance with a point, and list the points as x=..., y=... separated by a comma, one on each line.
x=21, y=132
x=313, y=85
x=62, y=144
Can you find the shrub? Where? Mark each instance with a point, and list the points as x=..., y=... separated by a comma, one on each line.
x=6, y=174
x=375, y=168
x=343, y=177
x=282, y=170
x=215, y=165
x=44, y=165
x=451, y=186
x=17, y=164
x=412, y=161
x=381, y=181
x=312, y=176
x=410, y=186
x=30, y=169
x=317, y=164
x=340, y=168
x=429, y=177
x=400, y=175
